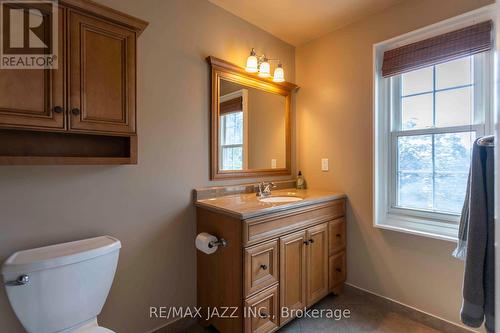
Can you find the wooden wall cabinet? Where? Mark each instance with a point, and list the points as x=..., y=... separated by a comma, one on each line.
x=35, y=98
x=83, y=112
x=279, y=260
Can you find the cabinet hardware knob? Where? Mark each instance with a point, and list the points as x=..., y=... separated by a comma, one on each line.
x=311, y=241
x=338, y=270
x=306, y=242
x=58, y=109
x=264, y=267
x=338, y=235
x=263, y=315
x=75, y=111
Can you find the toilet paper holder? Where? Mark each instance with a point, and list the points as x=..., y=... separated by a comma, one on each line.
x=220, y=242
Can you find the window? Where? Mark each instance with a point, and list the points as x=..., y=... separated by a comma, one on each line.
x=232, y=141
x=426, y=122
x=434, y=126
x=233, y=130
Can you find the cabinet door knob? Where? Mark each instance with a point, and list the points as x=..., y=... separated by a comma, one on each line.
x=311, y=241
x=338, y=270
x=306, y=242
x=338, y=235
x=58, y=109
x=264, y=267
x=75, y=111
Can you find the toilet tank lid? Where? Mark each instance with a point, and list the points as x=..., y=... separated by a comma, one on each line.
x=60, y=254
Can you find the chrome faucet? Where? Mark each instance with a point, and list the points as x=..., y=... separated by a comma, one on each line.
x=264, y=189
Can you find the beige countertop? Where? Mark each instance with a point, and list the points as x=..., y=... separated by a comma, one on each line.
x=248, y=205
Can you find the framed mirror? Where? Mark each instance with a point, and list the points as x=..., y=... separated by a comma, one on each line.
x=250, y=123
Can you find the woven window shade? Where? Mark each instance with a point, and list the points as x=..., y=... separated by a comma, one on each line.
x=232, y=105
x=449, y=46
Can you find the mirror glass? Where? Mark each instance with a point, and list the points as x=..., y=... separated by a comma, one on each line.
x=252, y=128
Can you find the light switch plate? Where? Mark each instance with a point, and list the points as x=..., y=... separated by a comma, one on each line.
x=273, y=163
x=324, y=164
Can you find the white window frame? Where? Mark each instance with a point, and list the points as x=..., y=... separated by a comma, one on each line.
x=243, y=93
x=386, y=214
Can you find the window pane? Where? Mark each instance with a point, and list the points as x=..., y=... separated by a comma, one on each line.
x=415, y=153
x=454, y=107
x=452, y=161
x=453, y=151
x=233, y=128
x=418, y=81
x=416, y=112
x=415, y=190
x=415, y=171
x=232, y=158
x=454, y=73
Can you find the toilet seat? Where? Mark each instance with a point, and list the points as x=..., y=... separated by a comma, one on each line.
x=91, y=327
x=97, y=329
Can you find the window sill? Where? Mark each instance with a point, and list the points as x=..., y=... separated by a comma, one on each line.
x=420, y=227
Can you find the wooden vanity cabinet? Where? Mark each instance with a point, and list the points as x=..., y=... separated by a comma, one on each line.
x=273, y=261
x=83, y=112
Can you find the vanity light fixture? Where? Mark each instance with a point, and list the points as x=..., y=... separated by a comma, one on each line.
x=279, y=74
x=252, y=62
x=262, y=66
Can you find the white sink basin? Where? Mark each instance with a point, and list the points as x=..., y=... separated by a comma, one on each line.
x=280, y=199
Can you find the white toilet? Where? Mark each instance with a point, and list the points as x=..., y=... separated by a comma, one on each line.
x=62, y=288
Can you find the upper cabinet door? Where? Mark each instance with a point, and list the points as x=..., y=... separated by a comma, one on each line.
x=102, y=76
x=34, y=98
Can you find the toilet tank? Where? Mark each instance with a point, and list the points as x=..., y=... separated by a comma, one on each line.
x=67, y=283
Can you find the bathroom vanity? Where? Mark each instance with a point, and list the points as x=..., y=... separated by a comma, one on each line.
x=280, y=256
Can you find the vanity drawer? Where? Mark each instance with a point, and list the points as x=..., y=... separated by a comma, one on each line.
x=337, y=268
x=274, y=225
x=261, y=312
x=336, y=235
x=261, y=267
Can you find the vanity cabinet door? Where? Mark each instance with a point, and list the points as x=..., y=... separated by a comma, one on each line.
x=102, y=76
x=337, y=235
x=317, y=263
x=337, y=270
x=261, y=267
x=292, y=273
x=262, y=312
x=34, y=98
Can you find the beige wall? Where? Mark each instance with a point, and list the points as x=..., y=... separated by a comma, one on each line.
x=147, y=206
x=334, y=120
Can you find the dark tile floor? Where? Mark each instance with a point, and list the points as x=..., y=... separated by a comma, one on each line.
x=367, y=315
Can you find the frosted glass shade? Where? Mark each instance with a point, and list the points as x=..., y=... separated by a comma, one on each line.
x=279, y=74
x=264, y=69
x=252, y=64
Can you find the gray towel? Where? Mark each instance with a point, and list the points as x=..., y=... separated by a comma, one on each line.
x=461, y=250
x=479, y=278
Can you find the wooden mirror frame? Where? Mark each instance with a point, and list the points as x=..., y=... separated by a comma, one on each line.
x=221, y=69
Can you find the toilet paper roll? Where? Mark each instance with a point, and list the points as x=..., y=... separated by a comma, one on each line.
x=203, y=241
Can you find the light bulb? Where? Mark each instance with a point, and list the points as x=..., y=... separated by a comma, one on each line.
x=252, y=63
x=264, y=69
x=279, y=74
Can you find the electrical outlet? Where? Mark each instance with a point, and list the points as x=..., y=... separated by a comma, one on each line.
x=273, y=163
x=324, y=164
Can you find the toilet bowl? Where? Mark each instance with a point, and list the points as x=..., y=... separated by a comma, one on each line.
x=62, y=288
